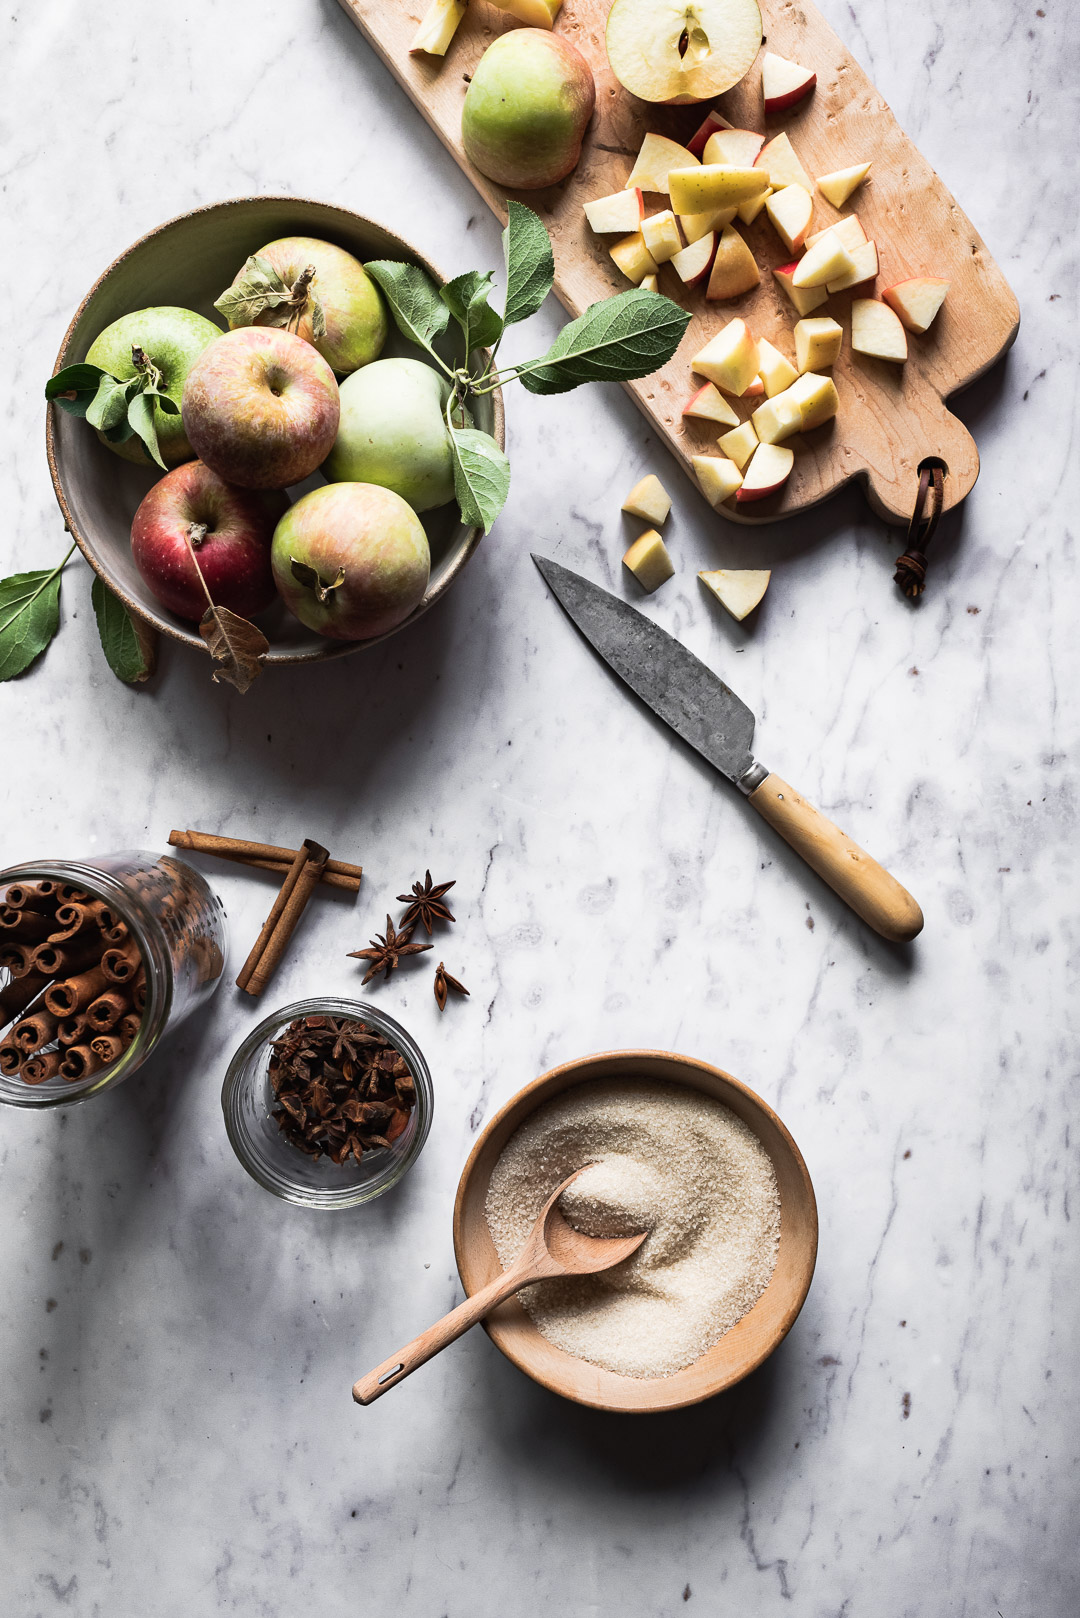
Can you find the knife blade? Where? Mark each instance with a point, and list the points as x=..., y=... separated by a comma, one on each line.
x=700, y=708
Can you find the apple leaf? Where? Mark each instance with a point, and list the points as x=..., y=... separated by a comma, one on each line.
x=29, y=617
x=312, y=579
x=236, y=646
x=130, y=646
x=140, y=415
x=256, y=289
x=615, y=340
x=108, y=408
x=419, y=313
x=530, y=263
x=466, y=297
x=74, y=388
x=481, y=476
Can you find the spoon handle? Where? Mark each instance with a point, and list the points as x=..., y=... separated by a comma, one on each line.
x=436, y=1338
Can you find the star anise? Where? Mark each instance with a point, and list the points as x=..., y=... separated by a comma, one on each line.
x=385, y=953
x=426, y=904
x=444, y=982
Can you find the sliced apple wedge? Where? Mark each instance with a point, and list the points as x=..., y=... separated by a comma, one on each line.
x=776, y=372
x=817, y=399
x=737, y=592
x=438, y=28
x=694, y=261
x=864, y=267
x=837, y=187
x=739, y=444
x=784, y=83
x=749, y=210
x=709, y=404
x=876, y=330
x=648, y=560
x=650, y=283
x=734, y=269
x=660, y=233
x=718, y=477
x=777, y=418
x=633, y=258
x=619, y=213
x=769, y=469
x=674, y=52
x=730, y=359
x=917, y=301
x=712, y=122
x=537, y=13
x=694, y=225
x=648, y=500
x=847, y=230
x=716, y=185
x=738, y=147
x=817, y=342
x=657, y=157
x=825, y=261
x=805, y=299
x=779, y=161
x=790, y=212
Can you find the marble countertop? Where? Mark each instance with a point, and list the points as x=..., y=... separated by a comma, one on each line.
x=177, y=1433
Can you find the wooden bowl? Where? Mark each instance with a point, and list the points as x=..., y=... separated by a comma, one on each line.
x=190, y=261
x=739, y=1351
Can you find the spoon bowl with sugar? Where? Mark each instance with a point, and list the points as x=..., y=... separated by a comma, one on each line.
x=554, y=1248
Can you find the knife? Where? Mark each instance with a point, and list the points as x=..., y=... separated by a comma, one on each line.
x=708, y=715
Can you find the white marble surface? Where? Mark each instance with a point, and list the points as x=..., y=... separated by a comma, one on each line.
x=178, y=1347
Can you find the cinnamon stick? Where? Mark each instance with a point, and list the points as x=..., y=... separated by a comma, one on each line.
x=108, y=1047
x=71, y=921
x=265, y=856
x=128, y=1027
x=18, y=994
x=44, y=1065
x=32, y=896
x=121, y=963
x=73, y=1030
x=292, y=876
x=65, y=960
x=105, y=1012
x=304, y=880
x=79, y=1062
x=67, y=893
x=24, y=926
x=16, y=958
x=75, y=994
x=138, y=992
x=35, y=1031
x=11, y=1058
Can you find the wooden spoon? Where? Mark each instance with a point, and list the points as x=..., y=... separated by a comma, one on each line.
x=554, y=1248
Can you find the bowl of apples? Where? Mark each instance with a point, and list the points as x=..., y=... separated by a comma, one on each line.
x=258, y=435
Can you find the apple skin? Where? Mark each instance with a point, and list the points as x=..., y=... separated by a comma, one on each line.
x=233, y=553
x=356, y=322
x=393, y=432
x=173, y=338
x=370, y=533
x=261, y=407
x=527, y=109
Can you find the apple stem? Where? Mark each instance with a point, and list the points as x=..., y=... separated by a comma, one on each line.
x=192, y=539
x=197, y=532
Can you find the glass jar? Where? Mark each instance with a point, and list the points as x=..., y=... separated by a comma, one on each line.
x=177, y=927
x=247, y=1100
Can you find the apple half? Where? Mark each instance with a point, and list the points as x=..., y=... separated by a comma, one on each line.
x=876, y=330
x=917, y=300
x=660, y=233
x=633, y=258
x=790, y=212
x=648, y=500
x=693, y=263
x=837, y=187
x=730, y=359
x=805, y=299
x=718, y=477
x=709, y=404
x=648, y=560
x=677, y=51
x=438, y=28
x=620, y=213
x=784, y=83
x=657, y=157
x=768, y=471
x=778, y=160
x=738, y=592
x=734, y=268
x=739, y=444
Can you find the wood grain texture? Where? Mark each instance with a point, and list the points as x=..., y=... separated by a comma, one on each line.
x=891, y=417
x=739, y=1351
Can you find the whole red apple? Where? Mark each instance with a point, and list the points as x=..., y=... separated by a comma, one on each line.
x=261, y=407
x=230, y=530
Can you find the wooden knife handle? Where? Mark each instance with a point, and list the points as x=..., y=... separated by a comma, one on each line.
x=859, y=880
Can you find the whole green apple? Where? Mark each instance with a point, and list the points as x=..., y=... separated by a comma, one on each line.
x=352, y=304
x=393, y=431
x=173, y=339
x=527, y=109
x=351, y=560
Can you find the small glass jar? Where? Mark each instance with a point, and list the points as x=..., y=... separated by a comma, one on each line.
x=247, y=1100
x=178, y=925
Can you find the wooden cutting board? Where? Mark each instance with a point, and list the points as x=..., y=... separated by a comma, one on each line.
x=890, y=416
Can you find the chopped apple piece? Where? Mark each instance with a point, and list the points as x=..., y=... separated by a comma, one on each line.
x=648, y=500
x=713, y=122
x=876, y=330
x=917, y=301
x=805, y=299
x=537, y=13
x=777, y=372
x=864, y=267
x=718, y=477
x=657, y=157
x=756, y=388
x=817, y=342
x=621, y=212
x=749, y=210
x=817, y=399
x=633, y=258
x=836, y=188
x=847, y=230
x=739, y=444
x=730, y=359
x=648, y=560
x=769, y=469
x=780, y=163
x=709, y=404
x=717, y=185
x=734, y=269
x=693, y=262
x=695, y=225
x=660, y=233
x=791, y=211
x=737, y=592
x=777, y=418
x=735, y=146
x=650, y=283
x=826, y=261
x=438, y=28
x=783, y=83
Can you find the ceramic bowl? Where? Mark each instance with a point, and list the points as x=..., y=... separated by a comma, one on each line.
x=739, y=1351
x=190, y=261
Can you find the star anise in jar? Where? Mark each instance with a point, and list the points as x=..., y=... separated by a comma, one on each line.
x=386, y=952
x=426, y=903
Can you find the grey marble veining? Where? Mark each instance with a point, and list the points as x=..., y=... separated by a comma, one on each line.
x=176, y=1433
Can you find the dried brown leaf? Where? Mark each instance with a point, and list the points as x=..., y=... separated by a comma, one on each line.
x=237, y=646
